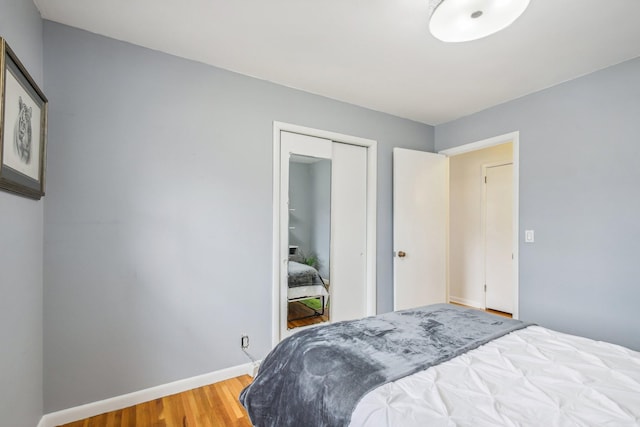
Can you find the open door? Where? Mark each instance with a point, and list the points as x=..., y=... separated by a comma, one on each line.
x=420, y=228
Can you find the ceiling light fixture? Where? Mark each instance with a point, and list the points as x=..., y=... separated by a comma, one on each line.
x=464, y=20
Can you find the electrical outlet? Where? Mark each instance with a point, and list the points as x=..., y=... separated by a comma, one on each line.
x=244, y=341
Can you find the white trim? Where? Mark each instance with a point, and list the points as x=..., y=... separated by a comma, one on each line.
x=275, y=251
x=319, y=133
x=372, y=174
x=447, y=248
x=479, y=145
x=372, y=227
x=514, y=138
x=123, y=401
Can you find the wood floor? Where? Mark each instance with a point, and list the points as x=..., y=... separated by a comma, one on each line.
x=215, y=405
x=304, y=316
x=301, y=315
x=499, y=313
x=488, y=310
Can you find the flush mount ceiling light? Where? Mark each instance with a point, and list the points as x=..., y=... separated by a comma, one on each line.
x=464, y=20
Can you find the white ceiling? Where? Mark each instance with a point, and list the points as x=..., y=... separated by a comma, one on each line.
x=375, y=53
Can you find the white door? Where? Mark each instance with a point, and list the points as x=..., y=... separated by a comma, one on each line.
x=292, y=143
x=348, y=286
x=420, y=228
x=348, y=246
x=499, y=238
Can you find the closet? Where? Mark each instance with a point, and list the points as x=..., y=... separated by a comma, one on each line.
x=324, y=247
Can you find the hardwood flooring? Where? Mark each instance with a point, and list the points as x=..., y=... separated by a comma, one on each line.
x=499, y=313
x=301, y=315
x=215, y=405
x=488, y=310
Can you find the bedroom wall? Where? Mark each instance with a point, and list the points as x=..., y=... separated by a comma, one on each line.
x=321, y=233
x=579, y=175
x=310, y=196
x=21, y=254
x=300, y=199
x=158, y=227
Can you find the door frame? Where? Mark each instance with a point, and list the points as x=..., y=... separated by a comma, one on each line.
x=372, y=156
x=514, y=138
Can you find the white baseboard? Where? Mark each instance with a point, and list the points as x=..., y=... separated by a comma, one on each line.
x=119, y=402
x=467, y=302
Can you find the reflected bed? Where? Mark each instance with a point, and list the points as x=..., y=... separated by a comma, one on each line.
x=305, y=282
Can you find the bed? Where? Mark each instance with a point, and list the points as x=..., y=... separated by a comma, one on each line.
x=305, y=282
x=444, y=365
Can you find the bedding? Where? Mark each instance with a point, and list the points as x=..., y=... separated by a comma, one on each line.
x=530, y=377
x=303, y=275
x=317, y=376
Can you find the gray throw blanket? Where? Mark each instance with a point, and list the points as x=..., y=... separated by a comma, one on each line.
x=303, y=275
x=317, y=376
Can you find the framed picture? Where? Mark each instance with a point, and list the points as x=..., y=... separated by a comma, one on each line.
x=23, y=128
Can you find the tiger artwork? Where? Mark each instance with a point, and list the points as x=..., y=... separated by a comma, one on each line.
x=22, y=133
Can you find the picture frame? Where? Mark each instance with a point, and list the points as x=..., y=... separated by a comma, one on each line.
x=23, y=128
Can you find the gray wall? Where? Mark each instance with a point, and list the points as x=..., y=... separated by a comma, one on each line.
x=300, y=199
x=310, y=196
x=579, y=186
x=321, y=233
x=21, y=254
x=158, y=224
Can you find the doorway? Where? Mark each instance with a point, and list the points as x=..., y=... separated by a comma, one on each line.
x=506, y=149
x=457, y=275
x=480, y=234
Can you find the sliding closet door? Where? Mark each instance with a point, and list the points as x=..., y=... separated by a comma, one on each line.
x=348, y=232
x=312, y=149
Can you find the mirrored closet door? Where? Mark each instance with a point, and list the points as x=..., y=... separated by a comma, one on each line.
x=308, y=267
x=323, y=231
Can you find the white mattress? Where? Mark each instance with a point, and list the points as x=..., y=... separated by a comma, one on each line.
x=531, y=377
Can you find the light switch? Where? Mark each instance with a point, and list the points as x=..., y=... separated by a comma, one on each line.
x=529, y=236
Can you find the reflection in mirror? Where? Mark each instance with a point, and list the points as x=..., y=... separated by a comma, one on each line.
x=309, y=241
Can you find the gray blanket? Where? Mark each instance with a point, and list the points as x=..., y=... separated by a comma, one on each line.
x=303, y=275
x=317, y=376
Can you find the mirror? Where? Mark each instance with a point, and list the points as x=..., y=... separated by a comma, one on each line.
x=309, y=271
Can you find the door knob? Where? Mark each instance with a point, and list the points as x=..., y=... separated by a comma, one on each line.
x=402, y=254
